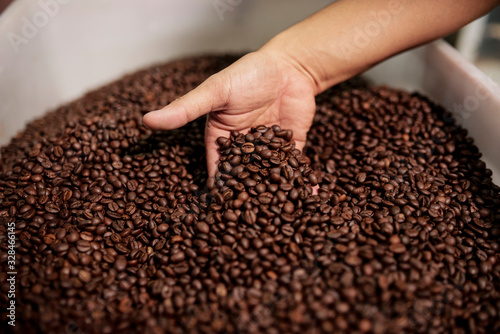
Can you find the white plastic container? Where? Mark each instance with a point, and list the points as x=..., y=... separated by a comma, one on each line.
x=53, y=51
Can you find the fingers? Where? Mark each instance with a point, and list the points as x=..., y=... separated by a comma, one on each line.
x=211, y=95
x=212, y=148
x=299, y=144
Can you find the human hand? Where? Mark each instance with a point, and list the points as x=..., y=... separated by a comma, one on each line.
x=263, y=87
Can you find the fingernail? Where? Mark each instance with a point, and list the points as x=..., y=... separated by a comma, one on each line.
x=211, y=182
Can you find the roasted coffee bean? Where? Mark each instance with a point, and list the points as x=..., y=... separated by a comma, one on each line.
x=85, y=260
x=390, y=225
x=203, y=227
x=73, y=237
x=247, y=148
x=177, y=257
x=83, y=246
x=121, y=263
x=87, y=236
x=162, y=228
x=113, y=206
x=228, y=239
x=397, y=248
x=84, y=276
x=49, y=238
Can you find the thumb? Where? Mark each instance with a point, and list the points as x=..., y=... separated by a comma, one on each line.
x=212, y=147
x=299, y=144
x=211, y=95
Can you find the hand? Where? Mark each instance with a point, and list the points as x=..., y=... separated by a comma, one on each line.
x=260, y=88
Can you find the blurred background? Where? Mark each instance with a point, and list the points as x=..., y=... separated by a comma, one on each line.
x=479, y=42
x=4, y=4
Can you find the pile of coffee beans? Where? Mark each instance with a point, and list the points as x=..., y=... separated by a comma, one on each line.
x=387, y=223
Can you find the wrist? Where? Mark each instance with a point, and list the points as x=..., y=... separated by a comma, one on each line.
x=291, y=60
x=312, y=58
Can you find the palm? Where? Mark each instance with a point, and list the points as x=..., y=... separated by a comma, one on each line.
x=257, y=89
x=261, y=90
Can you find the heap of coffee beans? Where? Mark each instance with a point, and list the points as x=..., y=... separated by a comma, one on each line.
x=388, y=223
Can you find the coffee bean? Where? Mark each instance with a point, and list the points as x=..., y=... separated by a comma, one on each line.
x=231, y=216
x=84, y=276
x=83, y=246
x=121, y=248
x=85, y=260
x=113, y=206
x=177, y=257
x=287, y=230
x=49, y=238
x=265, y=198
x=60, y=248
x=361, y=177
x=266, y=154
x=203, y=227
x=228, y=239
x=247, y=148
x=162, y=228
x=223, y=142
x=353, y=260
x=87, y=236
x=120, y=263
x=52, y=207
x=337, y=220
x=397, y=248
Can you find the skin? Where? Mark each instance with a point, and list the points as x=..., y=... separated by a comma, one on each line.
x=278, y=83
